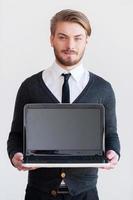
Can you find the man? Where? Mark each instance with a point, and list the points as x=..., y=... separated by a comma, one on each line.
x=70, y=32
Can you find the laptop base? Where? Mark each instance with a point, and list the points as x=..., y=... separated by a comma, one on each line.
x=66, y=165
x=65, y=161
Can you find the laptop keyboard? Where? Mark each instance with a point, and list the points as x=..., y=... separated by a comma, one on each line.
x=66, y=159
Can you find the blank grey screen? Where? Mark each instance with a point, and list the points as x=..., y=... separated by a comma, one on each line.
x=63, y=129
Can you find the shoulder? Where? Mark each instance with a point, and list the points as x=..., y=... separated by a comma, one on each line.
x=101, y=85
x=98, y=80
x=32, y=80
x=30, y=83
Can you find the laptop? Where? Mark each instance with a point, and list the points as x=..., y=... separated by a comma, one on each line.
x=64, y=135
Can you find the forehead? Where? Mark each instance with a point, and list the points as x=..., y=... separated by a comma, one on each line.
x=69, y=28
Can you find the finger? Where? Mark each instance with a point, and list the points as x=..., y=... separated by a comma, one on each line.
x=111, y=164
x=17, y=164
x=108, y=167
x=22, y=168
x=114, y=161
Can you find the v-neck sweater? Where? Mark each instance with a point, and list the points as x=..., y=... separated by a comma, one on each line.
x=34, y=90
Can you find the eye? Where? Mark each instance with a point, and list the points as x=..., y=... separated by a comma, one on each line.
x=62, y=37
x=78, y=38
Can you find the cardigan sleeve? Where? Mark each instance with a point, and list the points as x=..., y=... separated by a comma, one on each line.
x=15, y=139
x=111, y=136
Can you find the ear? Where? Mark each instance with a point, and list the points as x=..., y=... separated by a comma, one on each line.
x=51, y=40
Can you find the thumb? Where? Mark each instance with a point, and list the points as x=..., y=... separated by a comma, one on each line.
x=18, y=156
x=110, y=154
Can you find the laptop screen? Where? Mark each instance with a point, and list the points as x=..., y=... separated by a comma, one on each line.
x=63, y=128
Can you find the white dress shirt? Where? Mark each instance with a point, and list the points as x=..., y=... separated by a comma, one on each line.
x=54, y=80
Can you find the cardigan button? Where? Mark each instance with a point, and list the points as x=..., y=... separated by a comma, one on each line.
x=53, y=193
x=63, y=175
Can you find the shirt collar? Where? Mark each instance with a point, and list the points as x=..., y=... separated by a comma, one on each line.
x=76, y=73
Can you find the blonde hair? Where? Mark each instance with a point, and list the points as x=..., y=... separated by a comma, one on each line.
x=72, y=16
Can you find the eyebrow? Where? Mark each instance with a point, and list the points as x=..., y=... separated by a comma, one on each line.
x=63, y=34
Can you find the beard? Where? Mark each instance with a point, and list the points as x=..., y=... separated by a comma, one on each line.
x=69, y=61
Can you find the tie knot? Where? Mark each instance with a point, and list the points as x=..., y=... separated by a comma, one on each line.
x=66, y=76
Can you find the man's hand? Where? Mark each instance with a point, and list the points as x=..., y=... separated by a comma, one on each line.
x=112, y=157
x=17, y=161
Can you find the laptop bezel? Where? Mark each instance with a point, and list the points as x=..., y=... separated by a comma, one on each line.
x=65, y=106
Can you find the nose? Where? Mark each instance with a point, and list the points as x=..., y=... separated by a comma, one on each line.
x=71, y=43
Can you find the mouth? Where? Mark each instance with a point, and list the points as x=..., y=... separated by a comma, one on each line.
x=69, y=52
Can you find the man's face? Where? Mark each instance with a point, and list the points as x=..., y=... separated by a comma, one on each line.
x=69, y=42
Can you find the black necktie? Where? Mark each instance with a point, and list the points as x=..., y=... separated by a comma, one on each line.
x=65, y=89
